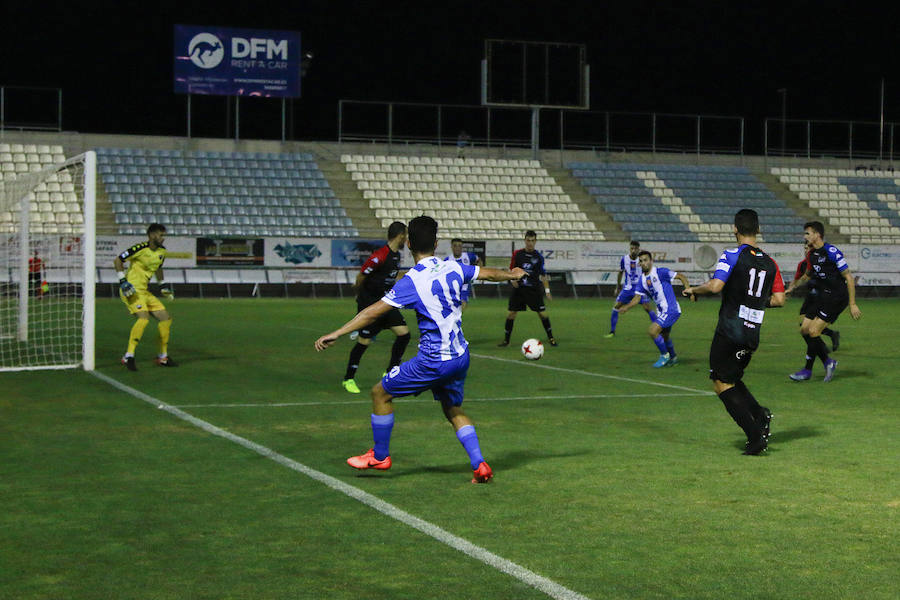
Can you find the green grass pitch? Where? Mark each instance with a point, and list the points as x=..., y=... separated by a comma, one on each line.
x=613, y=479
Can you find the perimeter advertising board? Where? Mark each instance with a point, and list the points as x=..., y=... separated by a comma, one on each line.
x=223, y=61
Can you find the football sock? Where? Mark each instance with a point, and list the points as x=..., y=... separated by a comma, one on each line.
x=469, y=440
x=509, y=327
x=353, y=364
x=545, y=321
x=613, y=319
x=381, y=432
x=164, y=327
x=652, y=315
x=820, y=349
x=660, y=343
x=398, y=349
x=810, y=353
x=735, y=404
x=752, y=405
x=829, y=332
x=670, y=348
x=137, y=330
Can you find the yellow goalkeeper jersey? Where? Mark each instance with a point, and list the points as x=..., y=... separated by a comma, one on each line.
x=143, y=263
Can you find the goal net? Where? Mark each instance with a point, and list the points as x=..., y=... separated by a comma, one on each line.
x=47, y=270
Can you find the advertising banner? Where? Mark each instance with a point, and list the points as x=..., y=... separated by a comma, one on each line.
x=219, y=252
x=293, y=252
x=223, y=61
x=353, y=253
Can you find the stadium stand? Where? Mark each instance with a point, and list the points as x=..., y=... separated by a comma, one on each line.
x=221, y=193
x=861, y=204
x=475, y=198
x=684, y=203
x=54, y=206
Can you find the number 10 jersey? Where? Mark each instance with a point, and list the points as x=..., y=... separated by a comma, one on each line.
x=433, y=288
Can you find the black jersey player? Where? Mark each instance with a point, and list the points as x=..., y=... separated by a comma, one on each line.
x=835, y=291
x=750, y=281
x=529, y=292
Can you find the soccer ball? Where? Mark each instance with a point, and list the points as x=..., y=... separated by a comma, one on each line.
x=532, y=349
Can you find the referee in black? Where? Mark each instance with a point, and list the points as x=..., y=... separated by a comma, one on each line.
x=529, y=291
x=750, y=282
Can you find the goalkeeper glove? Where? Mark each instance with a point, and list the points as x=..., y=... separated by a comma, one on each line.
x=126, y=287
x=165, y=289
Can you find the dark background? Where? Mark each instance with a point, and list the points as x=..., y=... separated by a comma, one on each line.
x=114, y=63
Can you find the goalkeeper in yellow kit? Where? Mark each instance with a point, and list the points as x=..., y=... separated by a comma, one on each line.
x=144, y=260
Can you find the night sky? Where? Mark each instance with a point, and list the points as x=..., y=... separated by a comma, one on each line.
x=114, y=64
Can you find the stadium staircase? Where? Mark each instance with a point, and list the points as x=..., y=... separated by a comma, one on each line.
x=682, y=202
x=594, y=211
x=351, y=198
x=801, y=207
x=862, y=205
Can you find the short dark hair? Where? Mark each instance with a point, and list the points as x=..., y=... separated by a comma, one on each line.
x=746, y=221
x=395, y=229
x=154, y=227
x=816, y=226
x=422, y=234
x=635, y=243
x=530, y=233
x=643, y=252
x=454, y=240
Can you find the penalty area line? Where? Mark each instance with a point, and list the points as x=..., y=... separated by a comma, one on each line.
x=425, y=400
x=592, y=374
x=526, y=576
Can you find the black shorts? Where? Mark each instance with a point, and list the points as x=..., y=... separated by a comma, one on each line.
x=809, y=303
x=391, y=318
x=826, y=307
x=531, y=297
x=727, y=360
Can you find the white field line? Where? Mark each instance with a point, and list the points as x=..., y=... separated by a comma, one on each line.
x=534, y=364
x=425, y=400
x=547, y=586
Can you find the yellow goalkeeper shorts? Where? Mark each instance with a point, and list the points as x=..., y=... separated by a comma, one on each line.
x=141, y=301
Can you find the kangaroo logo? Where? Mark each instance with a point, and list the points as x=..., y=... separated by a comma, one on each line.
x=206, y=50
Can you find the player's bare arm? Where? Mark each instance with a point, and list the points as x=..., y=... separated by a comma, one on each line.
x=685, y=284
x=797, y=283
x=618, y=283
x=851, y=293
x=634, y=302
x=776, y=300
x=713, y=286
x=490, y=274
x=545, y=279
x=357, y=285
x=366, y=316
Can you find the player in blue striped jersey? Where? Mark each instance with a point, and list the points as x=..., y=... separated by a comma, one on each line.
x=656, y=283
x=433, y=289
x=630, y=272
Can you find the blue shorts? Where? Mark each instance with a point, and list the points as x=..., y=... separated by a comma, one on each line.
x=625, y=297
x=464, y=295
x=445, y=378
x=666, y=320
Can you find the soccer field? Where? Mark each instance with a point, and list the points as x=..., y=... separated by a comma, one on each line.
x=226, y=477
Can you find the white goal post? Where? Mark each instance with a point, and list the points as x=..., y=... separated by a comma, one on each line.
x=48, y=265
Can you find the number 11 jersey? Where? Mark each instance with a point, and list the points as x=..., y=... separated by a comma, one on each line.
x=751, y=277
